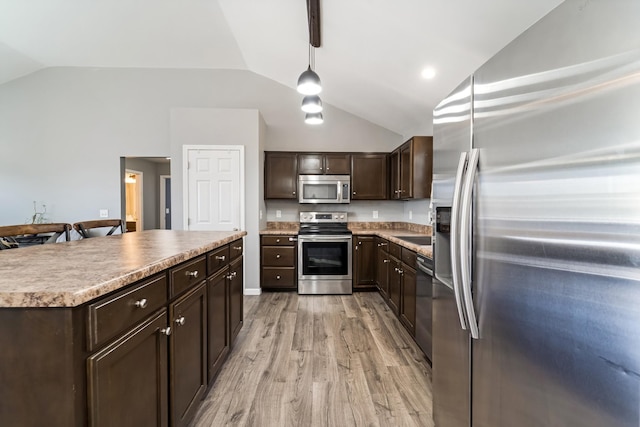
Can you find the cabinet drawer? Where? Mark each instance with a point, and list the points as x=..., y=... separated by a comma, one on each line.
x=394, y=249
x=382, y=244
x=409, y=257
x=217, y=259
x=279, y=277
x=115, y=314
x=186, y=275
x=236, y=248
x=279, y=240
x=273, y=256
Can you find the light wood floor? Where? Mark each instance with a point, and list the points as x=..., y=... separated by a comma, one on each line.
x=320, y=361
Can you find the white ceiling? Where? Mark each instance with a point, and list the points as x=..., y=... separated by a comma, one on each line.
x=370, y=60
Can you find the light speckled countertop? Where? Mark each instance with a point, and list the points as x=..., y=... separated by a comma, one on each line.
x=72, y=273
x=386, y=230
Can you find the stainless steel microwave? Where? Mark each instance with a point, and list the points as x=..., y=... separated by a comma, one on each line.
x=324, y=188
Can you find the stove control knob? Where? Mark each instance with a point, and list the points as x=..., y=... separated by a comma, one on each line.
x=341, y=216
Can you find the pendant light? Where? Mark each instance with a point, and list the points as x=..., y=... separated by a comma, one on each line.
x=311, y=104
x=313, y=118
x=309, y=81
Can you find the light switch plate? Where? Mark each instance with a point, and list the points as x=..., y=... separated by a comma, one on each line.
x=278, y=214
x=104, y=213
x=375, y=214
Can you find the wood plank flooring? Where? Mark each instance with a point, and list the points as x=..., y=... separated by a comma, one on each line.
x=303, y=360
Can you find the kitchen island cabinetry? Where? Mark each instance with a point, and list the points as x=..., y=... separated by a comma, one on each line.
x=129, y=348
x=369, y=176
x=280, y=175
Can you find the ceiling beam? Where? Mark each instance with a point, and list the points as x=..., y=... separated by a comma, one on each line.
x=313, y=15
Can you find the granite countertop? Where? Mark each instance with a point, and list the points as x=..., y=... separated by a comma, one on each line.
x=69, y=274
x=386, y=230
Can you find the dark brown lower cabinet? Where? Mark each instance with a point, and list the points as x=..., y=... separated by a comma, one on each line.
x=382, y=267
x=235, y=281
x=188, y=354
x=395, y=284
x=217, y=325
x=408, y=300
x=127, y=380
x=364, y=254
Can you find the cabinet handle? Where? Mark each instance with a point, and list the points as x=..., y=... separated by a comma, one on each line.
x=354, y=193
x=235, y=273
x=166, y=331
x=180, y=321
x=193, y=274
x=400, y=271
x=277, y=256
x=385, y=261
x=293, y=239
x=382, y=244
x=232, y=275
x=277, y=240
x=278, y=277
x=220, y=257
x=357, y=247
x=294, y=193
x=237, y=248
x=142, y=303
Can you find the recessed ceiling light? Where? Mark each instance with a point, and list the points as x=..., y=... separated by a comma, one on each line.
x=429, y=73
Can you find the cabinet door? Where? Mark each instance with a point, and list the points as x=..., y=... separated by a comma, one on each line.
x=369, y=177
x=394, y=174
x=382, y=269
x=127, y=380
x=280, y=175
x=337, y=164
x=310, y=164
x=188, y=354
x=217, y=322
x=395, y=284
x=235, y=283
x=406, y=170
x=364, y=268
x=408, y=300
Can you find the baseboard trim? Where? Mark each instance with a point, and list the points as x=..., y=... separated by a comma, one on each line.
x=253, y=291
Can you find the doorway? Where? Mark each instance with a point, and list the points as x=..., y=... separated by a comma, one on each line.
x=134, y=206
x=151, y=213
x=165, y=202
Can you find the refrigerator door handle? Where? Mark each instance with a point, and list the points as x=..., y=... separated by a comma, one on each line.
x=465, y=240
x=455, y=238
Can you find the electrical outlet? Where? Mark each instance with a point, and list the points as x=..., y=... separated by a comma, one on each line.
x=410, y=214
x=375, y=214
x=278, y=214
x=260, y=213
x=104, y=213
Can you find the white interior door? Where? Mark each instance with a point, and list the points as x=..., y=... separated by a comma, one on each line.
x=214, y=191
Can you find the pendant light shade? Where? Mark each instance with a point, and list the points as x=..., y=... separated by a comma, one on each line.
x=313, y=118
x=309, y=83
x=311, y=104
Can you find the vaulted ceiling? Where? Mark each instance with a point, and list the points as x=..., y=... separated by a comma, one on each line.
x=370, y=61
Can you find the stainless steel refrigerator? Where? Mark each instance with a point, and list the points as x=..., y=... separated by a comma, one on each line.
x=536, y=194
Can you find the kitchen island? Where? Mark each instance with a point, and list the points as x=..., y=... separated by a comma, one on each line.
x=119, y=330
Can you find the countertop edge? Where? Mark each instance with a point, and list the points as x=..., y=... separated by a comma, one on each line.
x=65, y=299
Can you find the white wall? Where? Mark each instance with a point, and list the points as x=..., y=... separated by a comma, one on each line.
x=63, y=130
x=214, y=126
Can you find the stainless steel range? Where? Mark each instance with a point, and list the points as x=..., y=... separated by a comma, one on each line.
x=324, y=254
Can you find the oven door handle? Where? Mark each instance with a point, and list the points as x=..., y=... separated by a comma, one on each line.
x=302, y=239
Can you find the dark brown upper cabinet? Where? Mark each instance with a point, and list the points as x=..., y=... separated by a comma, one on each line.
x=411, y=169
x=323, y=163
x=280, y=175
x=369, y=176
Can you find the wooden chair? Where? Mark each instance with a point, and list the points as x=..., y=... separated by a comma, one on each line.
x=32, y=234
x=83, y=227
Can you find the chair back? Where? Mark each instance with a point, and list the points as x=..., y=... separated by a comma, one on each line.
x=10, y=232
x=83, y=227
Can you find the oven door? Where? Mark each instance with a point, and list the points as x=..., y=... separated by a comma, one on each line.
x=323, y=257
